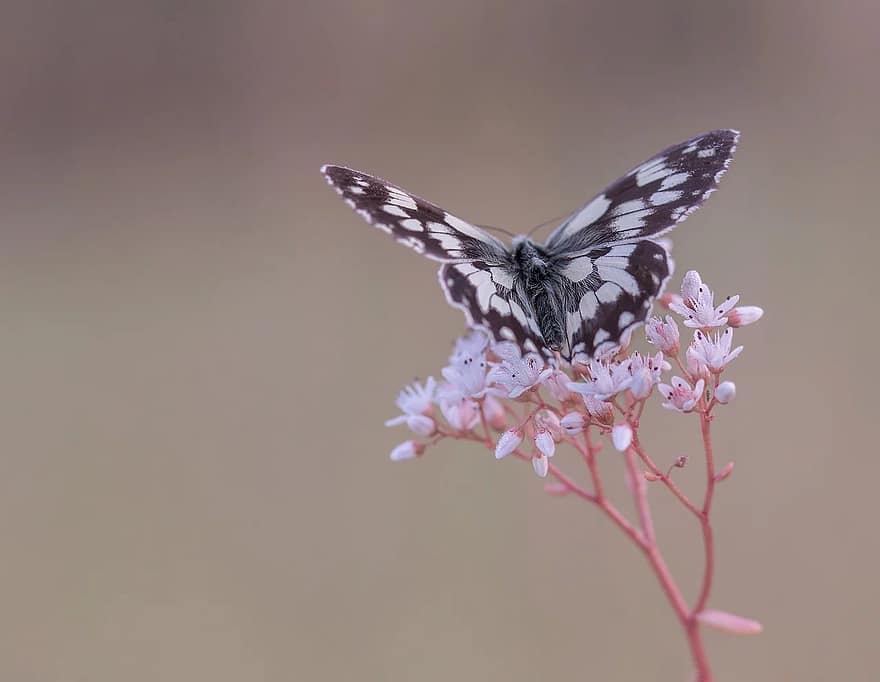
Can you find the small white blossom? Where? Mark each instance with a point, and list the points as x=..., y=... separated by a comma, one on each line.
x=417, y=399
x=417, y=404
x=517, y=373
x=541, y=465
x=646, y=372
x=508, y=442
x=409, y=449
x=621, y=436
x=467, y=379
x=573, y=423
x=698, y=305
x=664, y=335
x=462, y=414
x=601, y=411
x=545, y=443
x=710, y=354
x=725, y=392
x=680, y=396
x=606, y=380
x=744, y=314
x=469, y=348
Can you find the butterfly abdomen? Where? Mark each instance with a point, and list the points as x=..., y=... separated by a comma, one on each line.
x=539, y=275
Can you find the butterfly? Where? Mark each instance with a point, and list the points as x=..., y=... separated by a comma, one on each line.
x=589, y=284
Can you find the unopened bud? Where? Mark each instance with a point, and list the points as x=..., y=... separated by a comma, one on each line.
x=725, y=392
x=508, y=442
x=743, y=315
x=407, y=450
x=573, y=423
x=421, y=425
x=681, y=462
x=725, y=472
x=651, y=477
x=494, y=413
x=541, y=465
x=545, y=443
x=622, y=436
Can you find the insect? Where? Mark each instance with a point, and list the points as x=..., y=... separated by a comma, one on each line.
x=594, y=278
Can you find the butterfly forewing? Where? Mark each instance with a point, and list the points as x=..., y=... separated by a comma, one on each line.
x=412, y=221
x=653, y=197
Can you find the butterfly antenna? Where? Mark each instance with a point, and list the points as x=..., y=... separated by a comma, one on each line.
x=498, y=229
x=546, y=222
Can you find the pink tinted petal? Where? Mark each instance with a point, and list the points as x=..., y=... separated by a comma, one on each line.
x=728, y=622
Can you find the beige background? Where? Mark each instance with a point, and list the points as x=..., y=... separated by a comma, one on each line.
x=199, y=342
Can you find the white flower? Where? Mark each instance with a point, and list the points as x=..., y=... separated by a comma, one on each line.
x=599, y=410
x=680, y=396
x=416, y=403
x=467, y=380
x=606, y=380
x=743, y=315
x=462, y=414
x=645, y=371
x=725, y=392
x=508, y=442
x=409, y=449
x=516, y=373
x=417, y=399
x=541, y=465
x=664, y=335
x=573, y=423
x=545, y=443
x=622, y=436
x=698, y=306
x=710, y=354
x=470, y=348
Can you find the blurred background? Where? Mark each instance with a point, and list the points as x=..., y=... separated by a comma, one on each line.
x=200, y=342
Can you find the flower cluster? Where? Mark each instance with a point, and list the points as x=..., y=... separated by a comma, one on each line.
x=526, y=404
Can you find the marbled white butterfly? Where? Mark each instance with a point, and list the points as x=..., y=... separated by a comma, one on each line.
x=590, y=283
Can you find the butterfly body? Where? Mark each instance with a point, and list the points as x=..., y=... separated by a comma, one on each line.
x=589, y=283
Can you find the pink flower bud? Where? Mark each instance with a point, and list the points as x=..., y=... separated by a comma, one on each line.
x=725, y=472
x=494, y=412
x=545, y=443
x=622, y=436
x=556, y=489
x=421, y=425
x=508, y=442
x=649, y=476
x=727, y=622
x=407, y=450
x=558, y=383
x=743, y=315
x=725, y=392
x=541, y=465
x=573, y=423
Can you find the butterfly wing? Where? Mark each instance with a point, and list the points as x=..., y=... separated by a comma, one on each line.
x=478, y=277
x=653, y=197
x=489, y=300
x=414, y=222
x=611, y=267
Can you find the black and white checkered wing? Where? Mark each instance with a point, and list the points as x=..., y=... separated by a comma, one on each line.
x=477, y=277
x=653, y=197
x=414, y=222
x=612, y=269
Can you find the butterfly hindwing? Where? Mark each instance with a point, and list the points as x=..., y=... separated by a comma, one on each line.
x=487, y=296
x=608, y=291
x=653, y=197
x=414, y=222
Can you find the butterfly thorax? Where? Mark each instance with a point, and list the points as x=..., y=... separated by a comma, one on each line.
x=537, y=281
